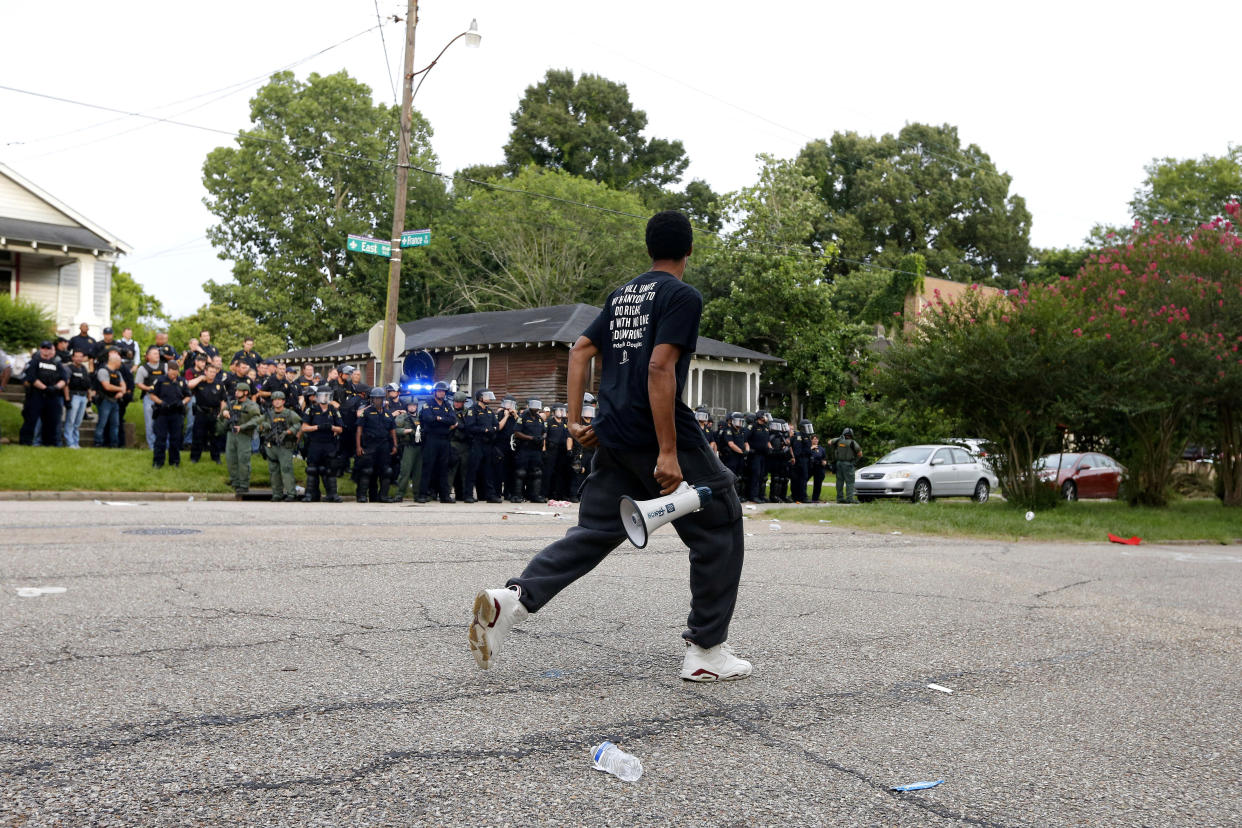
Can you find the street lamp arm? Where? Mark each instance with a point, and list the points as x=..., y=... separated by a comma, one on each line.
x=429, y=66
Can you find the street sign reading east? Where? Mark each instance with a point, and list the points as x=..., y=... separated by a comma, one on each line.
x=415, y=238
x=366, y=244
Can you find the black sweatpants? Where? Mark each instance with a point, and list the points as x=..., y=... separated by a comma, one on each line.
x=713, y=534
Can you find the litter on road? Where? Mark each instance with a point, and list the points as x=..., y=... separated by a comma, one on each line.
x=939, y=687
x=35, y=592
x=917, y=786
x=1131, y=541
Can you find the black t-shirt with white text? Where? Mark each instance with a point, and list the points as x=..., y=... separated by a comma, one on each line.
x=654, y=309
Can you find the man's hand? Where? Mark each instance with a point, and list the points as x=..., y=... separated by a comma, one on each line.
x=584, y=434
x=668, y=472
x=359, y=451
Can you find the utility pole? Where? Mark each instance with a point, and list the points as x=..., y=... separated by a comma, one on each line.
x=398, y=207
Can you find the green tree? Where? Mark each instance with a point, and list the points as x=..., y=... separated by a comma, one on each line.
x=922, y=192
x=1188, y=191
x=588, y=127
x=228, y=327
x=514, y=250
x=766, y=291
x=1008, y=370
x=316, y=166
x=1049, y=264
x=133, y=307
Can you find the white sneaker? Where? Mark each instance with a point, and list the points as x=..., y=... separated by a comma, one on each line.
x=495, y=611
x=713, y=663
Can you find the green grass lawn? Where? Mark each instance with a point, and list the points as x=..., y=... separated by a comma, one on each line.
x=10, y=420
x=26, y=468
x=1081, y=521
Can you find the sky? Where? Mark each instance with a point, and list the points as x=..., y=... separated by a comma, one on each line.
x=1070, y=99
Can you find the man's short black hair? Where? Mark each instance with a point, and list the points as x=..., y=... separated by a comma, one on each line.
x=669, y=236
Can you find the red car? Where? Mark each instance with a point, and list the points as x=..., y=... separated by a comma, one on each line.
x=1086, y=475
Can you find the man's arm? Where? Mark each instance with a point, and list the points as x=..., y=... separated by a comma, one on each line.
x=662, y=394
x=580, y=357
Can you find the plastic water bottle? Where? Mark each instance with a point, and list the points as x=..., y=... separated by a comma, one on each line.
x=612, y=759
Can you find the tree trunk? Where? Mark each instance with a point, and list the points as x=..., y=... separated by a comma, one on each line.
x=1229, y=468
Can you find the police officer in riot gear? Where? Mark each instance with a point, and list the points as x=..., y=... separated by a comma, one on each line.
x=409, y=449
x=482, y=425
x=800, y=442
x=374, y=444
x=731, y=444
x=506, y=448
x=209, y=396
x=846, y=452
x=280, y=436
x=704, y=418
x=779, y=458
x=171, y=395
x=459, y=442
x=438, y=419
x=322, y=428
x=819, y=465
x=583, y=456
x=529, y=434
x=556, y=455
x=759, y=444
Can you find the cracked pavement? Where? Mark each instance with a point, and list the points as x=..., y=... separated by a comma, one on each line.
x=307, y=665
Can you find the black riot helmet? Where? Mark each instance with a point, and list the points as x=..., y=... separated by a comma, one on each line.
x=806, y=427
x=559, y=409
x=377, y=392
x=736, y=419
x=849, y=432
x=702, y=414
x=485, y=395
x=508, y=403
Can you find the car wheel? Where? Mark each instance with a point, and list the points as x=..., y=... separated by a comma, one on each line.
x=922, y=492
x=1069, y=490
x=982, y=490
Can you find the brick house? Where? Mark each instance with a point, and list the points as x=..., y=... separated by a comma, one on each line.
x=526, y=353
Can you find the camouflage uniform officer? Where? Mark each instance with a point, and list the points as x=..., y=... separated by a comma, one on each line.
x=280, y=435
x=410, y=444
x=845, y=451
x=243, y=417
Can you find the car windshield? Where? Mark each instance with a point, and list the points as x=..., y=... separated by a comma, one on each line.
x=1049, y=461
x=910, y=454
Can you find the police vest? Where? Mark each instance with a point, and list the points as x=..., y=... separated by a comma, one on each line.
x=79, y=379
x=376, y=423
x=324, y=420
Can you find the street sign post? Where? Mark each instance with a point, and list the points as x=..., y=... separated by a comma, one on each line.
x=415, y=238
x=366, y=244
x=375, y=342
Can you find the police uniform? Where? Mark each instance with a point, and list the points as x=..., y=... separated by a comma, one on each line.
x=556, y=460
x=208, y=395
x=481, y=424
x=529, y=461
x=347, y=395
x=506, y=451
x=43, y=405
x=375, y=439
x=758, y=444
x=244, y=417
x=437, y=420
x=845, y=451
x=800, y=442
x=819, y=465
x=778, y=463
x=280, y=436
x=410, y=452
x=321, y=445
x=731, y=435
x=459, y=442
x=147, y=375
x=168, y=413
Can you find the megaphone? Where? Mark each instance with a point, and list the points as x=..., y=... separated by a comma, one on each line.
x=642, y=517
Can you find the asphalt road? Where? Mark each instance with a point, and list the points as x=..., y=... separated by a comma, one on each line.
x=307, y=665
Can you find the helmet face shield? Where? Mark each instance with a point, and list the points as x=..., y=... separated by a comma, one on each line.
x=323, y=396
x=808, y=427
x=737, y=422
x=588, y=411
x=509, y=404
x=559, y=411
x=702, y=416
x=487, y=396
x=535, y=405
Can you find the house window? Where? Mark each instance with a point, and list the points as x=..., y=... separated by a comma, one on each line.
x=6, y=272
x=469, y=372
x=724, y=391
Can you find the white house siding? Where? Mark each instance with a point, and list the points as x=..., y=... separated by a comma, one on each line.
x=103, y=291
x=19, y=203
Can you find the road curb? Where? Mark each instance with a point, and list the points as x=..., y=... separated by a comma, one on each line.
x=162, y=496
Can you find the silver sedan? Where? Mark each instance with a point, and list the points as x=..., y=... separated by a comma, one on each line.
x=921, y=473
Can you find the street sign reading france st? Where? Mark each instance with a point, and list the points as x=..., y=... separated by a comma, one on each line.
x=366, y=244
x=415, y=238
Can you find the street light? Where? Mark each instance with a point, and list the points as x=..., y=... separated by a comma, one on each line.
x=473, y=38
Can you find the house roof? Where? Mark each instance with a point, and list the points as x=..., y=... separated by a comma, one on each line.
x=89, y=235
x=559, y=324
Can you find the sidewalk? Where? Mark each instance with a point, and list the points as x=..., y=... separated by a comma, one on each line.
x=163, y=496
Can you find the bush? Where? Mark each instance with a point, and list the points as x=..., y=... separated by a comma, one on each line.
x=23, y=324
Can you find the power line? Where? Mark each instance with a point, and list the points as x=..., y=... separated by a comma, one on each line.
x=387, y=63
